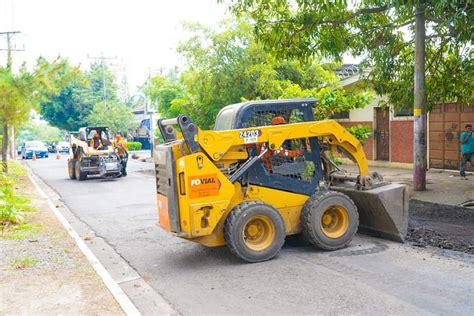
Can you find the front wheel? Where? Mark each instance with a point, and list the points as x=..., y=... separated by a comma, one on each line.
x=329, y=220
x=254, y=231
x=80, y=175
x=71, y=166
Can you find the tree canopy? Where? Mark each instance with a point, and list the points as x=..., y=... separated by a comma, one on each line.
x=379, y=31
x=70, y=109
x=229, y=66
x=114, y=114
x=22, y=92
x=42, y=131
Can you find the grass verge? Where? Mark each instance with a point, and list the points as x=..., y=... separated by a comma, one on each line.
x=12, y=205
x=23, y=263
x=22, y=231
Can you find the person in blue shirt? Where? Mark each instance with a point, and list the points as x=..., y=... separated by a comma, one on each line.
x=467, y=149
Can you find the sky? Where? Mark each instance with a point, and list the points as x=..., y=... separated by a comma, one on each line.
x=140, y=36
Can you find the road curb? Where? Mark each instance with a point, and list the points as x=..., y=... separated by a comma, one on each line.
x=125, y=303
x=134, y=295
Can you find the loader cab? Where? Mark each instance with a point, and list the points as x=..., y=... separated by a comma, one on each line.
x=296, y=166
x=260, y=113
x=87, y=133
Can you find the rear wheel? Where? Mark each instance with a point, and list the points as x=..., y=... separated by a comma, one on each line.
x=71, y=166
x=329, y=220
x=80, y=175
x=254, y=231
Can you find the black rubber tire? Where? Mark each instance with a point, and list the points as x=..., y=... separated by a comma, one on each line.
x=313, y=211
x=80, y=175
x=233, y=231
x=71, y=168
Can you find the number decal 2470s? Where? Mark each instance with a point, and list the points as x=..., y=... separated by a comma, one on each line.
x=250, y=136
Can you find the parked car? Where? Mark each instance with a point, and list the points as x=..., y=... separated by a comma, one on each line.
x=37, y=147
x=51, y=147
x=62, y=147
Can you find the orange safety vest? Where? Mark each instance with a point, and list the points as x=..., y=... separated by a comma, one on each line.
x=280, y=152
x=122, y=147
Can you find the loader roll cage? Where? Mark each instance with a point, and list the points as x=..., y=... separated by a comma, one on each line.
x=87, y=133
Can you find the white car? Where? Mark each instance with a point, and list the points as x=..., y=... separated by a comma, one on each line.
x=62, y=147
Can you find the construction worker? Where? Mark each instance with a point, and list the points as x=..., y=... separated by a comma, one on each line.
x=122, y=151
x=95, y=142
x=283, y=151
x=467, y=149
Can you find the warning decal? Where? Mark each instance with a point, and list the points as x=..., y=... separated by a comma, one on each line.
x=204, y=185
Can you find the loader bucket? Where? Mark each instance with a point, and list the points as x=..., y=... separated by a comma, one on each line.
x=383, y=211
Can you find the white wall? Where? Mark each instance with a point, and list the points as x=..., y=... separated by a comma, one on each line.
x=366, y=114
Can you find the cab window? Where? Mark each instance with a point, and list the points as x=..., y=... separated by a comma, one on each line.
x=224, y=120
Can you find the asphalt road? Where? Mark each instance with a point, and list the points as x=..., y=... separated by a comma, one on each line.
x=370, y=276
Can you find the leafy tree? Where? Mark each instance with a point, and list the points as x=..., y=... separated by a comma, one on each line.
x=42, y=131
x=70, y=108
x=401, y=43
x=133, y=101
x=103, y=84
x=114, y=115
x=163, y=91
x=23, y=91
x=381, y=31
x=229, y=66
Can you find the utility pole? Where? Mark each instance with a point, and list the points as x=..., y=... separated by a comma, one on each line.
x=102, y=58
x=419, y=126
x=149, y=111
x=9, y=50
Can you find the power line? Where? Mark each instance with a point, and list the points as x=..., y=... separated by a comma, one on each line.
x=102, y=58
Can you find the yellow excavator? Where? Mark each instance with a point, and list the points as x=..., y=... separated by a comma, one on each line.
x=265, y=172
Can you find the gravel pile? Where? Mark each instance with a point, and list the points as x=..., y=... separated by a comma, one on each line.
x=422, y=237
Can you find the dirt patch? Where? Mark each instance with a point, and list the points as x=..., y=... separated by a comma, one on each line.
x=43, y=272
x=442, y=226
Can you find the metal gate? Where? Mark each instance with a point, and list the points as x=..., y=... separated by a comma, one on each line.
x=447, y=122
x=382, y=133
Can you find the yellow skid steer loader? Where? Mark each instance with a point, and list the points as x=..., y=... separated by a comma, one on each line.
x=263, y=173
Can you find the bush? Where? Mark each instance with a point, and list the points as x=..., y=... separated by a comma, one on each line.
x=12, y=205
x=134, y=146
x=361, y=132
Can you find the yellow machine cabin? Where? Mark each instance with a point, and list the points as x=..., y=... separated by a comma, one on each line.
x=263, y=174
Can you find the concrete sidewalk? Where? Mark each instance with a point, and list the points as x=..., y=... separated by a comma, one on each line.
x=443, y=187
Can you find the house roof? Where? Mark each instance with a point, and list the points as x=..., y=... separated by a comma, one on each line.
x=348, y=70
x=139, y=110
x=349, y=74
